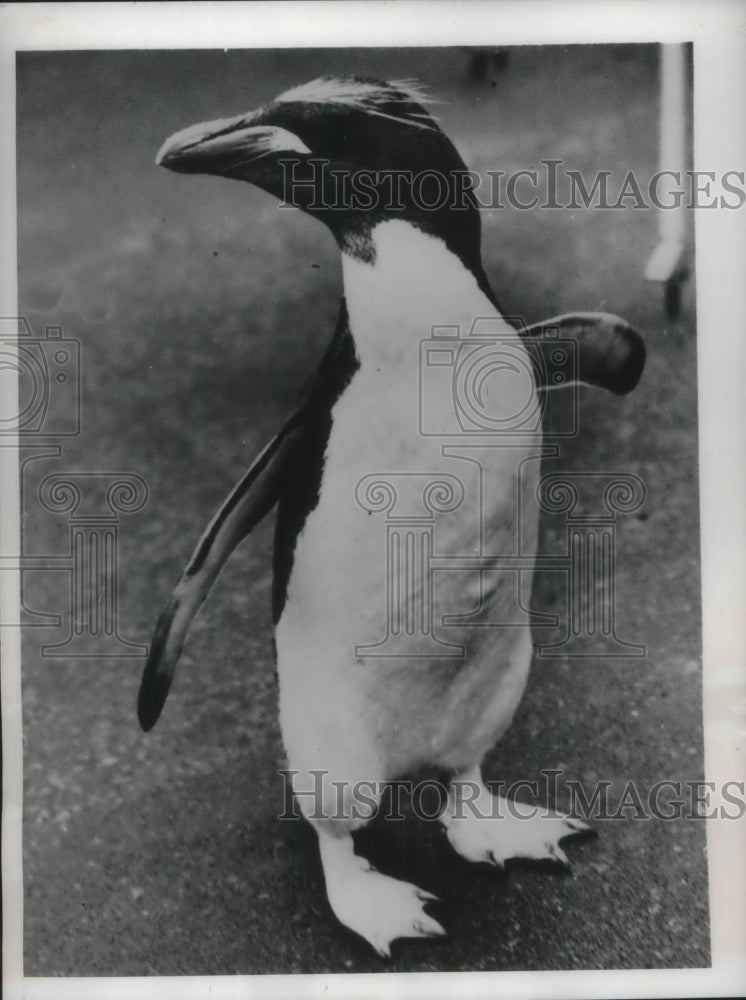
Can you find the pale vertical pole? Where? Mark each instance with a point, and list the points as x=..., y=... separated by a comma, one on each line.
x=666, y=264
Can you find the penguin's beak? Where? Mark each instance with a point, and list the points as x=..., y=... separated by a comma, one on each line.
x=225, y=146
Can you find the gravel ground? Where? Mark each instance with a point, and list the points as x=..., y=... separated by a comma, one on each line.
x=200, y=310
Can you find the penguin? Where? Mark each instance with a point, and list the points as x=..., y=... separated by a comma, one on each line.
x=381, y=669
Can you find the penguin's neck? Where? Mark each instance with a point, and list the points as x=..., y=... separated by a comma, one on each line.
x=412, y=284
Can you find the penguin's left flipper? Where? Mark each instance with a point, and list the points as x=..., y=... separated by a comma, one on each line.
x=608, y=353
x=250, y=500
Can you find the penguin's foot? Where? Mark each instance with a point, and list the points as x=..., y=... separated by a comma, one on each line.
x=497, y=838
x=375, y=906
x=490, y=828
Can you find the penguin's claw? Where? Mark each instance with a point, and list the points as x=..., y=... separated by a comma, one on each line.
x=429, y=928
x=577, y=825
x=559, y=855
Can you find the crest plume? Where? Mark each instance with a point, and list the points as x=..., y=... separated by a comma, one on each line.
x=370, y=96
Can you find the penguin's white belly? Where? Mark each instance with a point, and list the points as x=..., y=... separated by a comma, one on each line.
x=372, y=641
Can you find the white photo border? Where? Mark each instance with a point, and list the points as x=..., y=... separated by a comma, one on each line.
x=717, y=29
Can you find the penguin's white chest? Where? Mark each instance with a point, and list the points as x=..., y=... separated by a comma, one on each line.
x=411, y=472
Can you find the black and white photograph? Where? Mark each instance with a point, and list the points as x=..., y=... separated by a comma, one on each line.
x=363, y=556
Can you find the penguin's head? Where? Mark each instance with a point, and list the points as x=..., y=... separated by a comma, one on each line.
x=352, y=152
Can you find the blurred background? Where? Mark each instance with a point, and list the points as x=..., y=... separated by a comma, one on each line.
x=200, y=309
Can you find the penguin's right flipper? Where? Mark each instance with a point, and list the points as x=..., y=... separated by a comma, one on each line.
x=609, y=354
x=250, y=500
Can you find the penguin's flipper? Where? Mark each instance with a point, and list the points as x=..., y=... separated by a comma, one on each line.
x=609, y=354
x=251, y=499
